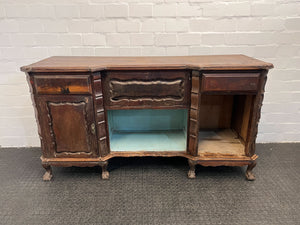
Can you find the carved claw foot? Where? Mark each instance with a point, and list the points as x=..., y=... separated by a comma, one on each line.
x=192, y=173
x=249, y=173
x=105, y=173
x=48, y=174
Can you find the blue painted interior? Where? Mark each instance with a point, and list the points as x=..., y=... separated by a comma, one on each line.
x=147, y=130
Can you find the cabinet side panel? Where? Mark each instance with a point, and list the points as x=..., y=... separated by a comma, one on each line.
x=30, y=81
x=241, y=113
x=255, y=115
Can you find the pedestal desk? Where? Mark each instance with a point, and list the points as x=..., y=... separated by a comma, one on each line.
x=203, y=108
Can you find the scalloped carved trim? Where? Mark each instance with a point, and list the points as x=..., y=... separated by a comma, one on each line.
x=153, y=90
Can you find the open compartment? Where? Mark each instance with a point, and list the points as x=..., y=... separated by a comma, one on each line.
x=224, y=124
x=148, y=129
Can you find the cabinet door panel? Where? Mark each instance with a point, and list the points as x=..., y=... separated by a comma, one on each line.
x=68, y=126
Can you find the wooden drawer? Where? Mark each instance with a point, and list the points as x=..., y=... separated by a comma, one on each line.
x=140, y=89
x=62, y=84
x=230, y=82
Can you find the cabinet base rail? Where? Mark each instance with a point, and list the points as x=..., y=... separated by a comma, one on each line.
x=47, y=164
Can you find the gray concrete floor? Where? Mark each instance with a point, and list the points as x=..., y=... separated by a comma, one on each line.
x=151, y=191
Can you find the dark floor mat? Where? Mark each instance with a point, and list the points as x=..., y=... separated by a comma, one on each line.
x=151, y=191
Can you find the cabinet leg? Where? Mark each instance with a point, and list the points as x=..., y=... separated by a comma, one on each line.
x=192, y=173
x=48, y=174
x=105, y=173
x=249, y=173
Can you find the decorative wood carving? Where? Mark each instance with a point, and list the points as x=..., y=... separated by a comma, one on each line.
x=48, y=174
x=141, y=90
x=192, y=172
x=194, y=114
x=101, y=125
x=105, y=173
x=144, y=89
x=249, y=174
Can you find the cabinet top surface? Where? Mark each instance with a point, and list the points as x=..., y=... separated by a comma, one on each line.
x=94, y=63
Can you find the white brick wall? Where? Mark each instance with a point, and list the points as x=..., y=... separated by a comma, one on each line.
x=31, y=30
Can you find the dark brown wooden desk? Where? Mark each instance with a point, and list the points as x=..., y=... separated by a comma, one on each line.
x=203, y=108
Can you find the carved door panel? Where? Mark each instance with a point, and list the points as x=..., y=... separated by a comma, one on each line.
x=67, y=126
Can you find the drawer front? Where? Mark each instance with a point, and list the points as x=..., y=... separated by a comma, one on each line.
x=140, y=89
x=230, y=82
x=62, y=84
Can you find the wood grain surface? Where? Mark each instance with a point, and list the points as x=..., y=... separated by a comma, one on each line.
x=92, y=63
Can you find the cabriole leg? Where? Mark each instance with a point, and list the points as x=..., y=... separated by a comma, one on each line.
x=249, y=173
x=48, y=174
x=105, y=173
x=192, y=173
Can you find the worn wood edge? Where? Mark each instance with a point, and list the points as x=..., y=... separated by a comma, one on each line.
x=222, y=158
x=157, y=67
x=58, y=69
x=119, y=107
x=33, y=68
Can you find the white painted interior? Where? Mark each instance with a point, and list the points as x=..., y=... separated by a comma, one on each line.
x=148, y=130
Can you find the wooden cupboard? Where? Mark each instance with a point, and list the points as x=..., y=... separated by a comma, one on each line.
x=203, y=108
